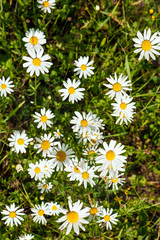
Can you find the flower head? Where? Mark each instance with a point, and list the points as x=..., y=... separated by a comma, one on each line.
x=108, y=218
x=83, y=67
x=43, y=118
x=45, y=144
x=46, y=5
x=39, y=211
x=6, y=86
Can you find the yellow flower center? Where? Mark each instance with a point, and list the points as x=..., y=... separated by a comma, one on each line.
x=45, y=145
x=117, y=87
x=72, y=217
x=12, y=214
x=85, y=175
x=61, y=156
x=93, y=141
x=84, y=123
x=37, y=170
x=46, y=4
x=106, y=218
x=83, y=67
x=20, y=141
x=114, y=180
x=76, y=169
x=110, y=155
x=45, y=185
x=44, y=118
x=151, y=11
x=71, y=90
x=3, y=86
x=36, y=61
x=93, y=211
x=54, y=208
x=146, y=45
x=91, y=152
x=123, y=105
x=41, y=212
x=58, y=133
x=33, y=40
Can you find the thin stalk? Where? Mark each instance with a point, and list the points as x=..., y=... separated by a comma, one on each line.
x=35, y=94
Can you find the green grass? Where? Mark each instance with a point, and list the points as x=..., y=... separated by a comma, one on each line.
x=74, y=29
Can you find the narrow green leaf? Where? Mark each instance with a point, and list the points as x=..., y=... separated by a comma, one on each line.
x=14, y=111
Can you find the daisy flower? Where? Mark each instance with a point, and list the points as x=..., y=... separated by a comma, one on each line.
x=96, y=137
x=37, y=63
x=61, y=156
x=73, y=169
x=46, y=5
x=114, y=179
x=74, y=217
x=118, y=85
x=48, y=167
x=38, y=213
x=123, y=118
x=43, y=118
x=57, y=134
x=13, y=215
x=83, y=67
x=72, y=91
x=82, y=123
x=147, y=44
x=54, y=208
x=45, y=144
x=45, y=187
x=111, y=155
x=36, y=171
x=19, y=168
x=107, y=218
x=26, y=237
x=82, y=138
x=19, y=141
x=34, y=39
x=87, y=175
x=91, y=151
x=6, y=86
x=95, y=212
x=97, y=122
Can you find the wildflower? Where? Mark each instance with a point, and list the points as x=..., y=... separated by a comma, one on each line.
x=151, y=11
x=45, y=144
x=6, y=86
x=36, y=171
x=91, y=151
x=61, y=156
x=13, y=215
x=72, y=91
x=34, y=39
x=111, y=155
x=147, y=44
x=39, y=211
x=46, y=5
x=54, y=208
x=83, y=67
x=26, y=237
x=43, y=118
x=48, y=167
x=19, y=168
x=73, y=169
x=107, y=218
x=114, y=179
x=74, y=217
x=57, y=134
x=97, y=7
x=44, y=187
x=95, y=138
x=19, y=141
x=37, y=63
x=118, y=85
x=95, y=212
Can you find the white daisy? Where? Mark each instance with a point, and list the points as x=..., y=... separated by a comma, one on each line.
x=97, y=122
x=43, y=118
x=45, y=144
x=118, y=85
x=34, y=39
x=96, y=137
x=82, y=123
x=44, y=187
x=13, y=215
x=82, y=138
x=36, y=171
x=147, y=44
x=39, y=211
x=48, y=167
x=87, y=175
x=74, y=217
x=123, y=118
x=83, y=67
x=57, y=134
x=6, y=86
x=114, y=179
x=19, y=168
x=61, y=156
x=104, y=169
x=91, y=151
x=107, y=218
x=26, y=237
x=54, y=208
x=72, y=91
x=73, y=169
x=37, y=63
x=95, y=212
x=111, y=155
x=19, y=141
x=46, y=5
